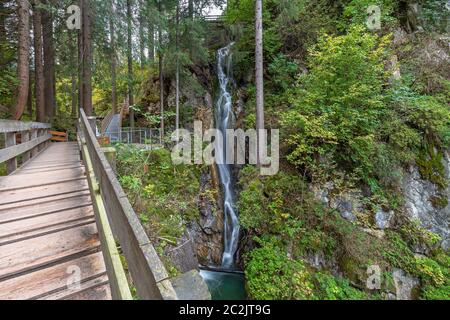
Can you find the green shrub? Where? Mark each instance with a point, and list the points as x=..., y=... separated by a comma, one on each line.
x=272, y=275
x=337, y=106
x=331, y=288
x=163, y=195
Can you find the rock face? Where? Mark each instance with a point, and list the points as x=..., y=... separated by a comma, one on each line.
x=405, y=285
x=207, y=232
x=383, y=219
x=191, y=286
x=419, y=194
x=184, y=257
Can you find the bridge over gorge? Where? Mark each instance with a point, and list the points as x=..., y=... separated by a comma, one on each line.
x=65, y=222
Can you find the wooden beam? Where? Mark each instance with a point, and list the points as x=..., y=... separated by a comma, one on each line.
x=35, y=150
x=26, y=138
x=12, y=150
x=10, y=144
x=116, y=274
x=18, y=126
x=145, y=266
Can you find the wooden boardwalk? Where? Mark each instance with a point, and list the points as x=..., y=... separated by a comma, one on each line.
x=48, y=233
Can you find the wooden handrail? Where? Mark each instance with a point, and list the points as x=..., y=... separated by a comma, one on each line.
x=34, y=137
x=7, y=126
x=147, y=270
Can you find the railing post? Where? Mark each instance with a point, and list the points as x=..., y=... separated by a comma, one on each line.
x=35, y=150
x=110, y=154
x=10, y=141
x=47, y=143
x=25, y=139
x=92, y=122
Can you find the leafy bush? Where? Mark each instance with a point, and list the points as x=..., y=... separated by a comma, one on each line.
x=272, y=275
x=336, y=108
x=331, y=288
x=165, y=196
x=356, y=11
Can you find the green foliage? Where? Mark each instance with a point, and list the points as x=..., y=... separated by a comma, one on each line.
x=283, y=71
x=332, y=288
x=435, y=15
x=282, y=205
x=356, y=11
x=433, y=271
x=431, y=166
x=398, y=253
x=164, y=195
x=272, y=275
x=437, y=277
x=337, y=106
x=414, y=234
x=430, y=271
x=343, y=116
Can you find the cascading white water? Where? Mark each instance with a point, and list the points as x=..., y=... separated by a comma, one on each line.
x=223, y=117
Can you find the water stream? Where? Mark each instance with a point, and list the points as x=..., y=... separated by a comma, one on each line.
x=223, y=117
x=225, y=285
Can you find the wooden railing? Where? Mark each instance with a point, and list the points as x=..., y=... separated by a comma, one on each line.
x=33, y=138
x=146, y=269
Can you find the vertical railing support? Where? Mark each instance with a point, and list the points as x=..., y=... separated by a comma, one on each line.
x=25, y=139
x=10, y=141
x=92, y=123
x=110, y=154
x=35, y=150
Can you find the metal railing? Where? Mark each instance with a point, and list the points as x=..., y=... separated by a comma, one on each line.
x=144, y=136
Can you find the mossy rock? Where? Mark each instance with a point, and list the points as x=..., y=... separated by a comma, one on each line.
x=352, y=270
x=439, y=202
x=431, y=166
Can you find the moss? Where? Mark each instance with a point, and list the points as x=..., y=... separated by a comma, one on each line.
x=398, y=253
x=351, y=269
x=439, y=202
x=431, y=167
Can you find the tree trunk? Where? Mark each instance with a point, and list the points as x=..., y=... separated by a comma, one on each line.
x=191, y=9
x=74, y=95
x=151, y=41
x=141, y=34
x=259, y=75
x=38, y=63
x=161, y=75
x=23, y=64
x=73, y=75
x=113, y=59
x=130, y=62
x=87, y=61
x=30, y=94
x=80, y=60
x=49, y=63
x=177, y=98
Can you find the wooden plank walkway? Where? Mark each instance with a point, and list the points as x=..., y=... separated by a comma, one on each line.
x=48, y=232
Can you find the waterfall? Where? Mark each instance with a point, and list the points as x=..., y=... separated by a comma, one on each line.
x=223, y=117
